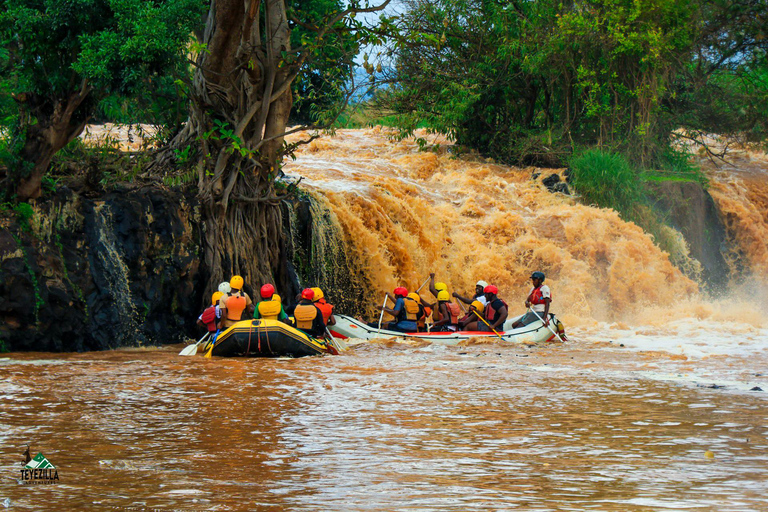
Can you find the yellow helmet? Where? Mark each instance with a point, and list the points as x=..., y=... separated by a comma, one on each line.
x=277, y=298
x=478, y=306
x=415, y=296
x=318, y=294
x=441, y=286
x=215, y=298
x=443, y=295
x=236, y=282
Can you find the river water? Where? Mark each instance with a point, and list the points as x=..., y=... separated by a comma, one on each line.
x=589, y=425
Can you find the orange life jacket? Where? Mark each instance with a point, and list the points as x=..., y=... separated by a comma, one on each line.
x=422, y=323
x=536, y=297
x=325, y=308
x=490, y=313
x=454, y=310
x=235, y=305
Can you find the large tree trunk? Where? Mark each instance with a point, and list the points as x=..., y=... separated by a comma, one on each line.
x=52, y=131
x=242, y=92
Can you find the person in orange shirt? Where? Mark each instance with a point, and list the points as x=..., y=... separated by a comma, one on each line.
x=325, y=308
x=234, y=303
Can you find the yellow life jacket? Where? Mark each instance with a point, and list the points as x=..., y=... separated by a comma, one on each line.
x=269, y=309
x=412, y=310
x=235, y=305
x=305, y=315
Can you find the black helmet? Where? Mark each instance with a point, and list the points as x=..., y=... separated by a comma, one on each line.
x=538, y=275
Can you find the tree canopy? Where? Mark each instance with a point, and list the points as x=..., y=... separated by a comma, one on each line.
x=533, y=81
x=59, y=58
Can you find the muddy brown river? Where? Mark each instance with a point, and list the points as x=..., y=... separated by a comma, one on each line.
x=384, y=427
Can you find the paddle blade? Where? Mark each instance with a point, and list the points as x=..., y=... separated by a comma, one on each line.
x=191, y=350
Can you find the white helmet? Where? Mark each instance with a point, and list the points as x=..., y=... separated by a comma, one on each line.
x=224, y=287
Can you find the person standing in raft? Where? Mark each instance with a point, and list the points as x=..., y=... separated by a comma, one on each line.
x=234, y=303
x=324, y=307
x=307, y=317
x=539, y=299
x=479, y=294
x=448, y=313
x=212, y=314
x=406, y=312
x=269, y=308
x=496, y=310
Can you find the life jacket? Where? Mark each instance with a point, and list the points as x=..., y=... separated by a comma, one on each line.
x=412, y=310
x=270, y=309
x=209, y=318
x=490, y=313
x=454, y=310
x=235, y=305
x=422, y=323
x=305, y=315
x=436, y=315
x=536, y=297
x=325, y=308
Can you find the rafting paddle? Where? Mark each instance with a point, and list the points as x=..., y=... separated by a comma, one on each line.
x=422, y=286
x=339, y=346
x=547, y=325
x=489, y=326
x=192, y=349
x=381, y=316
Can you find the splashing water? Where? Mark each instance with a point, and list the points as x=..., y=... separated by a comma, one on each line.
x=406, y=213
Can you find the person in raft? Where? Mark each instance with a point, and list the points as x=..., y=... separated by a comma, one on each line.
x=471, y=320
x=426, y=310
x=270, y=307
x=447, y=312
x=307, y=317
x=212, y=314
x=496, y=311
x=539, y=299
x=324, y=307
x=406, y=312
x=234, y=303
x=479, y=294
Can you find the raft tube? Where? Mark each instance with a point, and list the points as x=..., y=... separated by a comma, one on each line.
x=348, y=327
x=266, y=338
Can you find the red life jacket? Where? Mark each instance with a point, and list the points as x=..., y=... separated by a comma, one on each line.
x=209, y=318
x=325, y=308
x=454, y=310
x=490, y=313
x=536, y=297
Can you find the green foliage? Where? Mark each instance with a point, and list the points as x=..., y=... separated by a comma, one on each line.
x=322, y=85
x=116, y=54
x=607, y=180
x=4, y=346
x=528, y=82
x=24, y=213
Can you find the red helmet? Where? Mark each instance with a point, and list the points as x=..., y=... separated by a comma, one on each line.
x=267, y=291
x=308, y=294
x=401, y=292
x=491, y=289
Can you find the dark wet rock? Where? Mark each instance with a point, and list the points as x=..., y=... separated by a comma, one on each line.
x=689, y=208
x=535, y=175
x=119, y=270
x=561, y=187
x=756, y=388
x=550, y=181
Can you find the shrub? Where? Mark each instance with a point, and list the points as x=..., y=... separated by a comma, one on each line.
x=608, y=180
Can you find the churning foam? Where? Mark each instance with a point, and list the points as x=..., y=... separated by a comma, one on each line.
x=406, y=213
